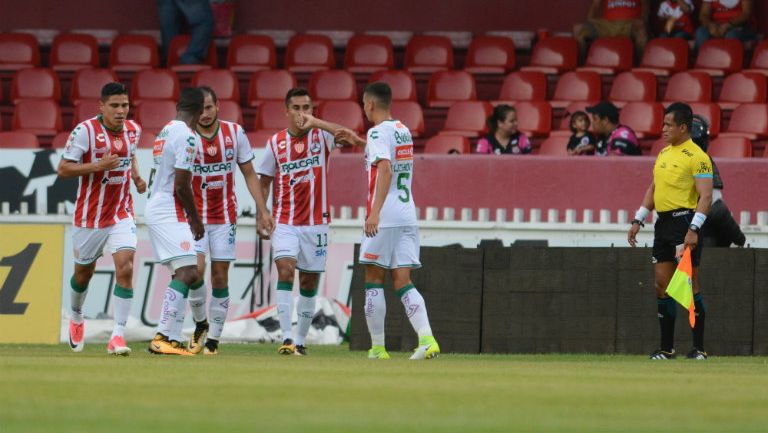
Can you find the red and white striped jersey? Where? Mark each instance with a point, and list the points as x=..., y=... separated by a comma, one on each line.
x=213, y=180
x=103, y=198
x=300, y=190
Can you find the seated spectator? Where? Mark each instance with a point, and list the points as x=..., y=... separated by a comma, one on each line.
x=618, y=18
x=503, y=136
x=725, y=19
x=582, y=141
x=613, y=138
x=676, y=17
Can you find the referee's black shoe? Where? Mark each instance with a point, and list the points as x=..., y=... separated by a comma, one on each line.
x=663, y=354
x=697, y=354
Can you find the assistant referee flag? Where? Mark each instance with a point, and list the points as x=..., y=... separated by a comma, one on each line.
x=680, y=287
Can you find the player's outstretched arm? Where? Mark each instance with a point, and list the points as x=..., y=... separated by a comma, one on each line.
x=141, y=185
x=349, y=137
x=68, y=168
x=264, y=222
x=183, y=187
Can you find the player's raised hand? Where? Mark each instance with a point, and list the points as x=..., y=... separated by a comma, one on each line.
x=305, y=121
x=141, y=186
x=265, y=225
x=109, y=162
x=347, y=137
x=371, y=225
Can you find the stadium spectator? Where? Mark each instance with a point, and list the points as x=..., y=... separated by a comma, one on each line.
x=725, y=19
x=582, y=141
x=720, y=229
x=675, y=16
x=503, y=136
x=613, y=138
x=198, y=16
x=618, y=18
x=681, y=193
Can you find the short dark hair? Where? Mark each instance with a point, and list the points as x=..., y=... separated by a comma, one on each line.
x=296, y=91
x=381, y=93
x=209, y=91
x=190, y=101
x=113, y=88
x=575, y=116
x=681, y=114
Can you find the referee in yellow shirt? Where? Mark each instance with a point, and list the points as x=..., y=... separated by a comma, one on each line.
x=681, y=193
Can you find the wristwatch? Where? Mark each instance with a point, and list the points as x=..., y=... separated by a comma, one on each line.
x=694, y=228
x=638, y=222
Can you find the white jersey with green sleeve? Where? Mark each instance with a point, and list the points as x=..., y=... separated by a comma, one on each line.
x=391, y=140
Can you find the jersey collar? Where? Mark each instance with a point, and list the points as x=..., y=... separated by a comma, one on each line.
x=114, y=131
x=215, y=133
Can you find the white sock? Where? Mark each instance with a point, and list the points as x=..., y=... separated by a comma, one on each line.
x=121, y=306
x=217, y=312
x=77, y=299
x=375, y=312
x=178, y=324
x=416, y=310
x=305, y=308
x=284, y=311
x=197, y=301
x=174, y=303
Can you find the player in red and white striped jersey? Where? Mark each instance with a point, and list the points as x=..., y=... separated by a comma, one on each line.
x=223, y=146
x=101, y=152
x=297, y=158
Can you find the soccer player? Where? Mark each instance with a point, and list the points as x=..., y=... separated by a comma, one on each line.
x=298, y=158
x=681, y=192
x=172, y=218
x=392, y=237
x=224, y=145
x=101, y=152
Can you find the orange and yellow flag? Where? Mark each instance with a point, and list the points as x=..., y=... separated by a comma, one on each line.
x=680, y=287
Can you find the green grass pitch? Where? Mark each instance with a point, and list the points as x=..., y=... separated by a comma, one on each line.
x=250, y=388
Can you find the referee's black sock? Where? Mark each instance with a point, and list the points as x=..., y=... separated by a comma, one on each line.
x=698, y=328
x=667, y=316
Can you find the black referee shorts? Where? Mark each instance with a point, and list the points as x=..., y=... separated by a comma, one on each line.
x=669, y=232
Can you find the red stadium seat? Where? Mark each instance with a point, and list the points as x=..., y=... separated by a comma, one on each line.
x=73, y=51
x=154, y=84
x=742, y=88
x=309, y=53
x=37, y=116
x=709, y=111
x=689, y=86
x=271, y=116
x=760, y=58
x=576, y=86
x=18, y=140
x=130, y=53
x=18, y=51
x=410, y=114
x=569, y=110
x=222, y=81
x=179, y=45
x=645, y=118
x=665, y=56
x=428, y=54
x=147, y=140
x=87, y=83
x=259, y=139
x=344, y=113
x=334, y=84
x=523, y=86
x=748, y=120
x=553, y=55
x=718, y=57
x=251, y=53
x=153, y=115
x=402, y=83
x=85, y=109
x=608, y=56
x=369, y=53
x=467, y=118
x=633, y=86
x=60, y=140
x=447, y=87
x=270, y=85
x=534, y=117
x=447, y=144
x=230, y=111
x=35, y=83
x=490, y=55
x=555, y=145
x=730, y=147
x=658, y=145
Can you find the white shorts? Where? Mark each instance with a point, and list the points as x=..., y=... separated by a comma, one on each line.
x=174, y=244
x=88, y=244
x=218, y=242
x=308, y=245
x=392, y=247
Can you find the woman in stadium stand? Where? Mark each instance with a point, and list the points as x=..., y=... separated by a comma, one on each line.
x=503, y=136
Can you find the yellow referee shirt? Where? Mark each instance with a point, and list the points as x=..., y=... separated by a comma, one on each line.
x=674, y=173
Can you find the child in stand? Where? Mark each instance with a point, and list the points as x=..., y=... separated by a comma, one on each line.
x=582, y=141
x=676, y=16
